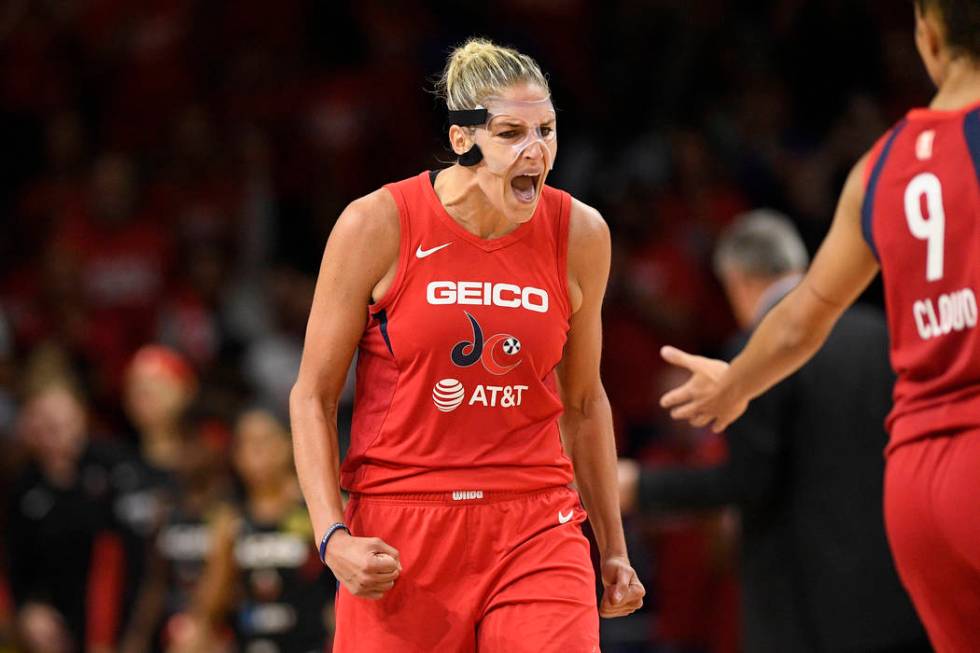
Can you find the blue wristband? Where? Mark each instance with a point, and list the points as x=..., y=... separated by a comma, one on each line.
x=326, y=538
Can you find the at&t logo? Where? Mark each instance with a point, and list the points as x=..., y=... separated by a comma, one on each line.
x=449, y=394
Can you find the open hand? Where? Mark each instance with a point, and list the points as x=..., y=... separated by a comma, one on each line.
x=623, y=592
x=701, y=400
x=366, y=566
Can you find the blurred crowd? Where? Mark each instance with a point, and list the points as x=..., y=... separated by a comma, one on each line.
x=171, y=169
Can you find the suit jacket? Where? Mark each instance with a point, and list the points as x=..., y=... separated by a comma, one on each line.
x=806, y=470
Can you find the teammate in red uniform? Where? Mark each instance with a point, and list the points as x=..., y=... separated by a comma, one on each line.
x=910, y=208
x=472, y=296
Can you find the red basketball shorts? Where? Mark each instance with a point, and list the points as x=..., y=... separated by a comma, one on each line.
x=932, y=515
x=487, y=572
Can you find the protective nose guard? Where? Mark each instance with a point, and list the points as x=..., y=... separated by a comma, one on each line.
x=507, y=129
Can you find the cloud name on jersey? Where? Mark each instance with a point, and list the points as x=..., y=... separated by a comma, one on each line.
x=957, y=311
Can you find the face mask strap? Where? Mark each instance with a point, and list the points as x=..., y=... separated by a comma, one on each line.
x=470, y=157
x=469, y=118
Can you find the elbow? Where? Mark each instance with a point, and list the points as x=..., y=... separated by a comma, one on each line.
x=802, y=331
x=304, y=395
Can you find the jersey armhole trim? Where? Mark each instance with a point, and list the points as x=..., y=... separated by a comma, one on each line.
x=867, y=207
x=971, y=131
x=404, y=240
x=564, y=226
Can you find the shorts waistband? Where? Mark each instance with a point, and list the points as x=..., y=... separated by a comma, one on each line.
x=456, y=497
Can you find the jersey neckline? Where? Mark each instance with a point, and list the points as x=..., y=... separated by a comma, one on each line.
x=486, y=244
x=921, y=113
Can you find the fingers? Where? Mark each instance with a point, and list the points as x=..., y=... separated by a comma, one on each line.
x=675, y=356
x=690, y=410
x=382, y=563
x=623, y=577
x=380, y=546
x=624, y=596
x=367, y=586
x=630, y=599
x=678, y=396
x=701, y=420
x=376, y=569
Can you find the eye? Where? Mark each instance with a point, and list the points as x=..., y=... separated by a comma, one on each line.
x=547, y=131
x=510, y=133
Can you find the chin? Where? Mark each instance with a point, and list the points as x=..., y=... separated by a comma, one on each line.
x=521, y=213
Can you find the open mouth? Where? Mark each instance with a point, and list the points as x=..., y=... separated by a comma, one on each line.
x=525, y=187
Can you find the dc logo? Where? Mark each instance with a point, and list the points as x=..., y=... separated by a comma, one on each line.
x=493, y=353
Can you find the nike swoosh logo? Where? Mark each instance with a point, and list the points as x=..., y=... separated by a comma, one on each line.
x=564, y=519
x=422, y=253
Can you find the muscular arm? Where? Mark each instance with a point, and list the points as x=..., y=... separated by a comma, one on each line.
x=586, y=424
x=792, y=332
x=361, y=249
x=360, y=258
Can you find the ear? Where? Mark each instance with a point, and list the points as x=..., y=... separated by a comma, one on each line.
x=928, y=31
x=460, y=139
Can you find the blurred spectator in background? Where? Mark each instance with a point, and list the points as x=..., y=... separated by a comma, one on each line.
x=805, y=468
x=113, y=257
x=158, y=390
x=271, y=362
x=694, y=584
x=265, y=573
x=63, y=565
x=163, y=615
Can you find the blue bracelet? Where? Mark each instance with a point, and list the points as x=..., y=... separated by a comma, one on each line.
x=326, y=538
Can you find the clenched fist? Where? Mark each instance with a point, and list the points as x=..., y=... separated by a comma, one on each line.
x=366, y=566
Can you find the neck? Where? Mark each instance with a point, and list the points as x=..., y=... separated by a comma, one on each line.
x=60, y=471
x=268, y=501
x=961, y=86
x=460, y=192
x=161, y=447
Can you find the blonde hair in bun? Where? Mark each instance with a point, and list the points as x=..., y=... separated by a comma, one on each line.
x=480, y=68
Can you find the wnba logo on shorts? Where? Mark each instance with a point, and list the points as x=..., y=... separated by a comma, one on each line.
x=467, y=495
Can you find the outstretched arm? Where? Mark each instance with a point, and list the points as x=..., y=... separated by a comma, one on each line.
x=587, y=428
x=791, y=333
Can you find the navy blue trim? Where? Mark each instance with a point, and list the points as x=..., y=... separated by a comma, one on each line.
x=971, y=130
x=383, y=325
x=867, y=208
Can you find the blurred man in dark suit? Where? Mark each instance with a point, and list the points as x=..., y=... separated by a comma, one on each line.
x=805, y=468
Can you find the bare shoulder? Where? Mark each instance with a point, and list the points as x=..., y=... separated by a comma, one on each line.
x=853, y=193
x=587, y=230
x=589, y=253
x=373, y=217
x=367, y=232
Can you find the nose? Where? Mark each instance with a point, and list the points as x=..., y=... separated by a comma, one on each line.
x=535, y=150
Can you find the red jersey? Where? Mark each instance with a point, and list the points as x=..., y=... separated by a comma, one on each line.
x=921, y=218
x=456, y=386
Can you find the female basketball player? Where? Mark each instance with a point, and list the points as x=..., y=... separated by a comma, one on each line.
x=910, y=208
x=472, y=295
